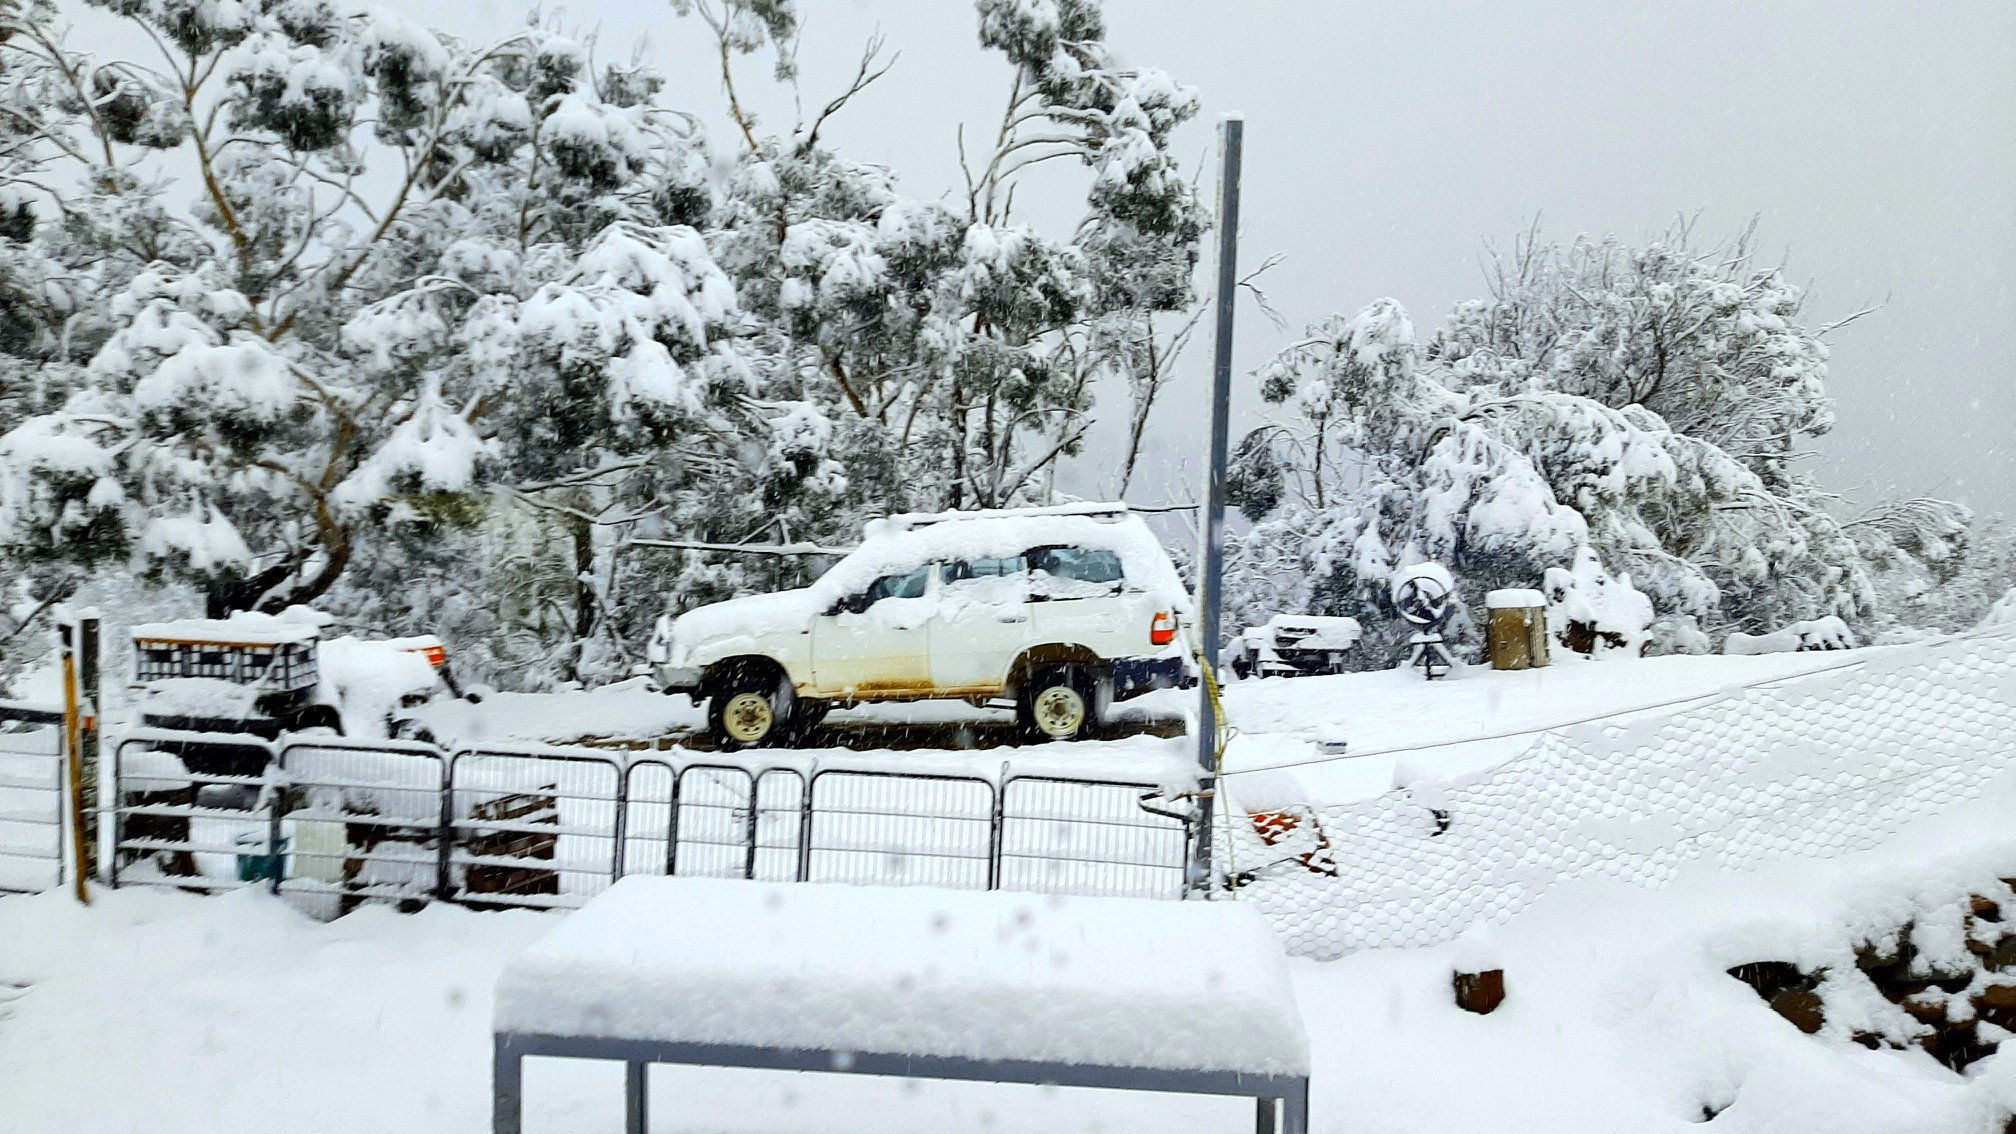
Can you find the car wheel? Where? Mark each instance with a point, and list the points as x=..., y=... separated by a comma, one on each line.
x=749, y=708
x=1057, y=704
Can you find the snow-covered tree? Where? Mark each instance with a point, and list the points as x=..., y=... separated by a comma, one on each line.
x=1718, y=347
x=1934, y=564
x=317, y=301
x=1504, y=465
x=419, y=279
x=955, y=349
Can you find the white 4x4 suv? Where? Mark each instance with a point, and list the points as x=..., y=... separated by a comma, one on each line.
x=1063, y=610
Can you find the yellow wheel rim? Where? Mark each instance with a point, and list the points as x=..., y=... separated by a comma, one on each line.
x=747, y=717
x=1059, y=711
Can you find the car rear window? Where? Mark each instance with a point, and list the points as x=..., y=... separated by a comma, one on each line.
x=1075, y=572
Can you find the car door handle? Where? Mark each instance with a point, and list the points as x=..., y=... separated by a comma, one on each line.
x=1011, y=618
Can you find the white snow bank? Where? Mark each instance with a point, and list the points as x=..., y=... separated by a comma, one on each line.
x=1620, y=1016
x=1402, y=730
x=1829, y=633
x=915, y=971
x=156, y=1010
x=1828, y=764
x=627, y=710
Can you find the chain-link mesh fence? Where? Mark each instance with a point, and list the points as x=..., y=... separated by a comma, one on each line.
x=1832, y=764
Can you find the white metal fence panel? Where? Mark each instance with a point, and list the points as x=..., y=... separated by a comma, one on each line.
x=647, y=792
x=330, y=822
x=713, y=816
x=191, y=810
x=901, y=830
x=32, y=783
x=360, y=819
x=537, y=827
x=1065, y=836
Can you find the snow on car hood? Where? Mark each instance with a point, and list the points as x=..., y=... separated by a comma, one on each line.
x=750, y=616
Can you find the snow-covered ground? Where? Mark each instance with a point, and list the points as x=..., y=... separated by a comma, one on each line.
x=169, y=1012
x=1398, y=730
x=172, y=1013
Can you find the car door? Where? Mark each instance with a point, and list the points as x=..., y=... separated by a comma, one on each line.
x=876, y=643
x=1077, y=596
x=981, y=624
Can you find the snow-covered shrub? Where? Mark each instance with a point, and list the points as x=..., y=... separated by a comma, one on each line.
x=1816, y=634
x=1590, y=611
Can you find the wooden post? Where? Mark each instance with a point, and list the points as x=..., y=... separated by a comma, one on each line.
x=90, y=731
x=73, y=732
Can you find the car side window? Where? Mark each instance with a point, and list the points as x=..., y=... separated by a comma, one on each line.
x=993, y=580
x=906, y=584
x=1074, y=572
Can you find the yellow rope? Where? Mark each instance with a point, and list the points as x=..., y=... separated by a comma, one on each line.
x=1209, y=676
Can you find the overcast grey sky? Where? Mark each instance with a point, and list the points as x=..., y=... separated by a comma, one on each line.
x=1387, y=141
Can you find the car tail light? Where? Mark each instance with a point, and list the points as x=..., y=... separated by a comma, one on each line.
x=437, y=656
x=1162, y=630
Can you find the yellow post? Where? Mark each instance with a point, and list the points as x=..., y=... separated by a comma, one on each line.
x=73, y=754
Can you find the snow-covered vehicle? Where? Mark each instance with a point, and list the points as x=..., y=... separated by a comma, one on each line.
x=1288, y=645
x=1060, y=611
x=266, y=675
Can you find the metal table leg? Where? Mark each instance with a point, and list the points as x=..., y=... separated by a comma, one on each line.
x=636, y=1096
x=507, y=1091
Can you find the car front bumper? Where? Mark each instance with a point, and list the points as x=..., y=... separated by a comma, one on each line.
x=678, y=679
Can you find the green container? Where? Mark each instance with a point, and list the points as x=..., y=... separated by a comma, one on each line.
x=254, y=864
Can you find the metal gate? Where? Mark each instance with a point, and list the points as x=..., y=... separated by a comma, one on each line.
x=190, y=810
x=330, y=822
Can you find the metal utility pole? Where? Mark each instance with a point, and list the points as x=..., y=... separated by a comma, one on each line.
x=1211, y=566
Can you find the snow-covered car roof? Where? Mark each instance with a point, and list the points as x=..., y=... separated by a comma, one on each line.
x=902, y=542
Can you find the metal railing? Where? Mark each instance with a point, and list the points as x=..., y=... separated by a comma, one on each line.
x=331, y=822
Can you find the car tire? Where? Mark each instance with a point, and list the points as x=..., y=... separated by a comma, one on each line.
x=750, y=707
x=1058, y=703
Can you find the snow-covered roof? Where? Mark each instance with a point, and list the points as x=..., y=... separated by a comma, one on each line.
x=1514, y=598
x=915, y=971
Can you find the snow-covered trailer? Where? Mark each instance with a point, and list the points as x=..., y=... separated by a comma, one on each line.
x=1288, y=645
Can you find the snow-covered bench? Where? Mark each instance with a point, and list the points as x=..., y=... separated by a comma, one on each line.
x=1187, y=997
